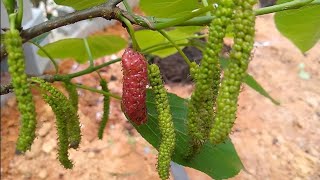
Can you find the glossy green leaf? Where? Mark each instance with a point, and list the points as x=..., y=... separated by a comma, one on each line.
x=251, y=82
x=219, y=162
x=80, y=4
x=168, y=8
x=301, y=26
x=179, y=35
x=100, y=45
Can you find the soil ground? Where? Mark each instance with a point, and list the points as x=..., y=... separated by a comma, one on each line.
x=274, y=142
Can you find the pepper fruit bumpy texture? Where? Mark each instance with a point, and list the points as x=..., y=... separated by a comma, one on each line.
x=135, y=80
x=13, y=44
x=73, y=124
x=67, y=113
x=106, y=110
x=243, y=21
x=166, y=127
x=73, y=94
x=63, y=142
x=207, y=79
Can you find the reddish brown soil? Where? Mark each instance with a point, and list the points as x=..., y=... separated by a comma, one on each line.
x=274, y=142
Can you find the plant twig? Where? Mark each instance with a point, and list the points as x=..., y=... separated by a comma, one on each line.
x=186, y=59
x=55, y=64
x=109, y=11
x=86, y=44
x=131, y=32
x=128, y=8
x=106, y=10
x=20, y=15
x=97, y=91
x=8, y=88
x=179, y=20
x=83, y=72
x=282, y=7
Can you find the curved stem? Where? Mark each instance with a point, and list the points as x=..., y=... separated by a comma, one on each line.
x=179, y=20
x=86, y=44
x=282, y=7
x=86, y=71
x=145, y=50
x=154, y=48
x=128, y=8
x=9, y=5
x=99, y=74
x=56, y=67
x=20, y=15
x=164, y=46
x=186, y=59
x=97, y=91
x=130, y=29
x=12, y=19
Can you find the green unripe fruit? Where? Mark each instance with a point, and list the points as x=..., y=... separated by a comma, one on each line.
x=13, y=44
x=239, y=59
x=106, y=110
x=61, y=124
x=70, y=115
x=73, y=94
x=166, y=127
x=201, y=106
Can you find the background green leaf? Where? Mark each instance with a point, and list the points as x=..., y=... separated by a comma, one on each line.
x=178, y=34
x=100, y=45
x=301, y=26
x=168, y=8
x=79, y=4
x=251, y=82
x=219, y=162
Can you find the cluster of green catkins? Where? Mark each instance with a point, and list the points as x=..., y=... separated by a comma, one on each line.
x=106, y=110
x=207, y=76
x=166, y=127
x=244, y=21
x=67, y=120
x=13, y=44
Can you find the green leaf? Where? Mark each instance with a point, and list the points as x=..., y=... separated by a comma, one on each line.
x=168, y=8
x=251, y=82
x=100, y=45
x=79, y=4
x=219, y=162
x=301, y=26
x=178, y=34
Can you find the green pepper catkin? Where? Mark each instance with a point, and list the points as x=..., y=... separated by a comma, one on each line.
x=243, y=21
x=16, y=63
x=71, y=116
x=106, y=110
x=63, y=142
x=73, y=94
x=166, y=127
x=207, y=76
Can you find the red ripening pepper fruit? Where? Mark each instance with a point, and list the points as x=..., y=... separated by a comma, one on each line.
x=135, y=80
